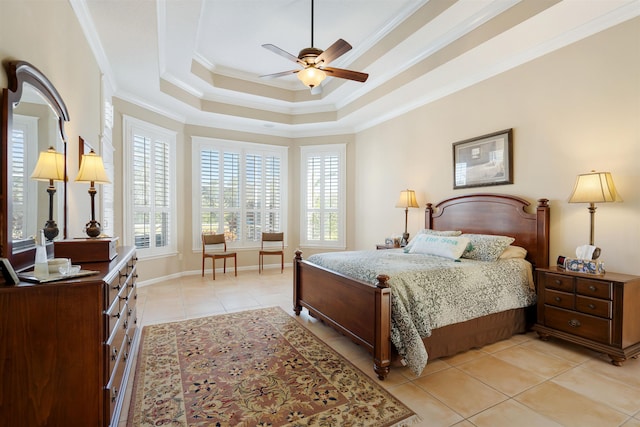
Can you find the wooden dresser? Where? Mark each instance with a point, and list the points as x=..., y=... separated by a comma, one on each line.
x=601, y=312
x=67, y=347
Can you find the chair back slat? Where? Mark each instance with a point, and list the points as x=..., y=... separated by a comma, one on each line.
x=272, y=237
x=213, y=239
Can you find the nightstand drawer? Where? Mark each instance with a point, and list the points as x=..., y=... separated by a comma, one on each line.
x=558, y=281
x=594, y=288
x=594, y=306
x=590, y=327
x=559, y=299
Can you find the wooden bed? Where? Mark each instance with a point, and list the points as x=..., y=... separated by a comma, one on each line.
x=362, y=311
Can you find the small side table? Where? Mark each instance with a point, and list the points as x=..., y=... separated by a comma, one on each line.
x=383, y=246
x=596, y=311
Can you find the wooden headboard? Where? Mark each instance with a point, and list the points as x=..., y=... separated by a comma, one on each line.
x=499, y=214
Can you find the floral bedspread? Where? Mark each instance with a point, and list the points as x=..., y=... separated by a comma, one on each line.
x=429, y=292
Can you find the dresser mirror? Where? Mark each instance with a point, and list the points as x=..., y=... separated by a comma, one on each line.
x=33, y=117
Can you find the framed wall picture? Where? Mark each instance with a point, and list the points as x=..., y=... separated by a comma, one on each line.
x=83, y=148
x=485, y=160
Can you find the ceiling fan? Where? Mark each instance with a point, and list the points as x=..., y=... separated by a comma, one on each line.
x=314, y=62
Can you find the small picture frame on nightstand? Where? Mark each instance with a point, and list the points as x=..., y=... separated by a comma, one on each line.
x=8, y=273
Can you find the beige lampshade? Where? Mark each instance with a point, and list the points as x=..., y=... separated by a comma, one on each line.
x=595, y=187
x=92, y=169
x=407, y=199
x=50, y=166
x=311, y=76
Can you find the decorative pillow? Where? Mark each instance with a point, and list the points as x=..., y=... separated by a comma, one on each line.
x=514, y=252
x=432, y=233
x=445, y=246
x=486, y=247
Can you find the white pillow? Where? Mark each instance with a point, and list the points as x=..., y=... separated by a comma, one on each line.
x=514, y=252
x=445, y=246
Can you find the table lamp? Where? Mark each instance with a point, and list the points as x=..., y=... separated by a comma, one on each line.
x=92, y=171
x=594, y=187
x=50, y=167
x=407, y=200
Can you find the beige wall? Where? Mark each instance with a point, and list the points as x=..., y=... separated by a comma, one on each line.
x=572, y=111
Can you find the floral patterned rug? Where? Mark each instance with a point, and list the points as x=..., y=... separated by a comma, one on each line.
x=253, y=368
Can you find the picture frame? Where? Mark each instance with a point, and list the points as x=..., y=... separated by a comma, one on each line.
x=83, y=148
x=484, y=160
x=8, y=273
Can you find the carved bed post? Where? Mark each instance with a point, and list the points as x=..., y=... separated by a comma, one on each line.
x=542, y=222
x=429, y=216
x=382, y=343
x=296, y=282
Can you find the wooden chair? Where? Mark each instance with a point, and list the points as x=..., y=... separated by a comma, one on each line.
x=217, y=240
x=275, y=250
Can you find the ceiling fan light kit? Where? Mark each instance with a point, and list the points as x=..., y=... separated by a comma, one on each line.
x=314, y=62
x=311, y=76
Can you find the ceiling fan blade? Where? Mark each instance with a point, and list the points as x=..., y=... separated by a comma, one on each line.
x=333, y=52
x=346, y=74
x=281, y=74
x=275, y=49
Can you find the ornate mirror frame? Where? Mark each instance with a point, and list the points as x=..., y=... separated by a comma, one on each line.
x=19, y=73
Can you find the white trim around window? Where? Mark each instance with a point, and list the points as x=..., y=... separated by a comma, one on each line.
x=149, y=183
x=323, y=196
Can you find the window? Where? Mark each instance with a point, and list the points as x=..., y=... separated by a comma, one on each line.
x=24, y=191
x=150, y=217
x=239, y=188
x=322, y=210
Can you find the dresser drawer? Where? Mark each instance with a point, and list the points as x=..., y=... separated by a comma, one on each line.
x=115, y=344
x=583, y=325
x=594, y=306
x=559, y=299
x=594, y=288
x=113, y=289
x=115, y=385
x=558, y=281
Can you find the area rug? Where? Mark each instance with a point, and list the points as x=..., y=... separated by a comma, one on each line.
x=253, y=368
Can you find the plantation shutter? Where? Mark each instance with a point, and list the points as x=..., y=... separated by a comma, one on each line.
x=240, y=190
x=323, y=195
x=18, y=182
x=151, y=192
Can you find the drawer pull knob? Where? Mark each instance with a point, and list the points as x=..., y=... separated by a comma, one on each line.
x=574, y=323
x=592, y=306
x=558, y=282
x=558, y=299
x=592, y=288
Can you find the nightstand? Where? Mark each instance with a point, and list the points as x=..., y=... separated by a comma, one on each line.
x=601, y=312
x=383, y=246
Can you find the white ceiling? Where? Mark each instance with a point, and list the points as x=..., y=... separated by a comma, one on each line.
x=199, y=61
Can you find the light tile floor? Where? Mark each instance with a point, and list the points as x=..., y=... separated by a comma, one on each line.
x=522, y=381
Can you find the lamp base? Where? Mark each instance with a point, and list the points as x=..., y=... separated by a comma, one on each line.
x=50, y=230
x=93, y=228
x=405, y=239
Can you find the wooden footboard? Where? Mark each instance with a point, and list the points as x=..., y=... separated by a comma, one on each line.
x=350, y=306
